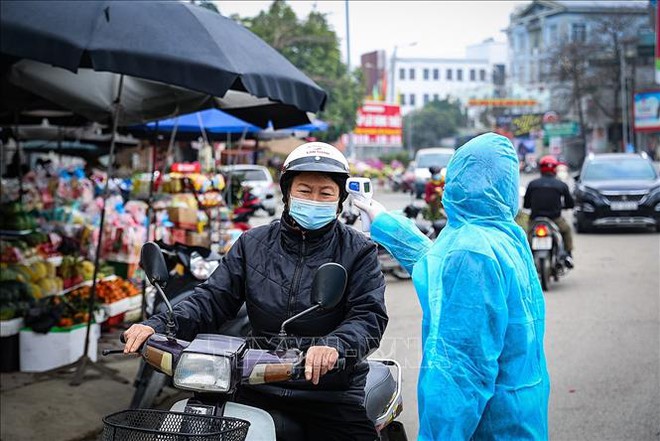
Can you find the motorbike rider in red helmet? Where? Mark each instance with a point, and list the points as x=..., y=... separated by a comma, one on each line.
x=547, y=196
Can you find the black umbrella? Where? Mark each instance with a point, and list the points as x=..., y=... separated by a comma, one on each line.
x=167, y=42
x=170, y=42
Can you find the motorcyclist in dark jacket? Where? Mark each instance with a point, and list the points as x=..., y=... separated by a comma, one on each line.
x=547, y=196
x=270, y=268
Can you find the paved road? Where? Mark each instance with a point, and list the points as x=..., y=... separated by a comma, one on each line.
x=602, y=339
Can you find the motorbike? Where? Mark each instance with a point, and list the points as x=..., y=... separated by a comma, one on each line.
x=214, y=367
x=430, y=229
x=548, y=250
x=250, y=204
x=188, y=266
x=388, y=264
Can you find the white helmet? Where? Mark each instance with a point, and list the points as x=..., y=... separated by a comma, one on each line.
x=316, y=157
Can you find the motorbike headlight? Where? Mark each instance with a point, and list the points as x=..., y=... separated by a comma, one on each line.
x=203, y=372
x=657, y=206
x=202, y=269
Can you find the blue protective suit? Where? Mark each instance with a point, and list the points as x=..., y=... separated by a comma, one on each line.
x=483, y=373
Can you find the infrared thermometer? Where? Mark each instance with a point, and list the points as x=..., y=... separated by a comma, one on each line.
x=361, y=189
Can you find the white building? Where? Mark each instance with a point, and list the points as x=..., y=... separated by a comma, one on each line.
x=417, y=81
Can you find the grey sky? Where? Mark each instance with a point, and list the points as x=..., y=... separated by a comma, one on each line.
x=440, y=28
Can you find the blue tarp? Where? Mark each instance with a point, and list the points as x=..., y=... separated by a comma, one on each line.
x=315, y=126
x=211, y=120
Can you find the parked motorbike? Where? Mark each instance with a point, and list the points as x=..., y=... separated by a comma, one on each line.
x=187, y=266
x=388, y=264
x=548, y=250
x=250, y=204
x=213, y=367
x=430, y=229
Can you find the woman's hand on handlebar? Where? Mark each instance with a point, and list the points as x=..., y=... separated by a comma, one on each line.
x=135, y=336
x=318, y=361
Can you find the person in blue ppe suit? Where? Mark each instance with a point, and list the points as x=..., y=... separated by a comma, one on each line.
x=483, y=373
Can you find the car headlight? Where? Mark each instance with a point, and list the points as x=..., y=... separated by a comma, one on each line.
x=203, y=372
x=653, y=194
x=589, y=193
x=588, y=208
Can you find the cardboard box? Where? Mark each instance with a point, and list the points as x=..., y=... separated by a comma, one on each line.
x=61, y=346
x=178, y=235
x=181, y=215
x=198, y=239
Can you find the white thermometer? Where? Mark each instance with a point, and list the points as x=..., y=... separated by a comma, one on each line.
x=361, y=189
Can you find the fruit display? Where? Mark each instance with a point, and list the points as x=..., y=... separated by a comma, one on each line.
x=14, y=218
x=15, y=298
x=107, y=291
x=39, y=278
x=75, y=271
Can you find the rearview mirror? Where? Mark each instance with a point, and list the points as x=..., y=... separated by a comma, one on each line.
x=153, y=263
x=328, y=285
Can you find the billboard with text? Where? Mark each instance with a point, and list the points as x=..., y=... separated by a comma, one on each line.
x=378, y=124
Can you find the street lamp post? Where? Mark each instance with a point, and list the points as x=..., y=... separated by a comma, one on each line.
x=624, y=97
x=392, y=67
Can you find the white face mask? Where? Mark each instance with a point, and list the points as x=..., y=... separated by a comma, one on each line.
x=312, y=215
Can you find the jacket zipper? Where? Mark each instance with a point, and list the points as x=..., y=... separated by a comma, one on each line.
x=297, y=274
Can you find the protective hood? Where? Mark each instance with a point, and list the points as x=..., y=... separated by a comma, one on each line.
x=482, y=182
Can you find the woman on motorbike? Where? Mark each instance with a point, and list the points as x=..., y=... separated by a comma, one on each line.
x=270, y=268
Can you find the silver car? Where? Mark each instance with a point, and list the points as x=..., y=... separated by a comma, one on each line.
x=259, y=179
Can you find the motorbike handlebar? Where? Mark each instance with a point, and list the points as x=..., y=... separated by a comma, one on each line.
x=298, y=372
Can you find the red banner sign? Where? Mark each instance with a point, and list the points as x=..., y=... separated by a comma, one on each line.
x=378, y=124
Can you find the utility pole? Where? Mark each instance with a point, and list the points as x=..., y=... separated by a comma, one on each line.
x=349, y=148
x=390, y=92
x=624, y=97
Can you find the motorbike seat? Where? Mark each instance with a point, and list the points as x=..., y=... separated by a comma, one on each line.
x=378, y=390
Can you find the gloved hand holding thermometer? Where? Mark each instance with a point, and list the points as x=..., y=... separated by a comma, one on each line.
x=361, y=191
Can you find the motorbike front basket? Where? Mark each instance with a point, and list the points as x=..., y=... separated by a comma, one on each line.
x=152, y=425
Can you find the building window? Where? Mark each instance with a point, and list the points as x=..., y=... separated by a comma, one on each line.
x=402, y=99
x=449, y=74
x=411, y=73
x=473, y=75
x=436, y=97
x=402, y=74
x=482, y=75
x=436, y=74
x=578, y=32
x=459, y=74
x=426, y=98
x=412, y=99
x=426, y=74
x=552, y=33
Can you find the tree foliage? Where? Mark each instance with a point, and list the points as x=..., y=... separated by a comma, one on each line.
x=313, y=47
x=590, y=71
x=436, y=120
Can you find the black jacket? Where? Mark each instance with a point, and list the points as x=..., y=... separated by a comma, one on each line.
x=271, y=268
x=547, y=196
